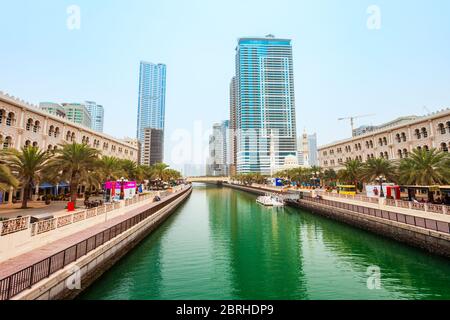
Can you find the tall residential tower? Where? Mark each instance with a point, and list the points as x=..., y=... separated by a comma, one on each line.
x=151, y=105
x=97, y=115
x=265, y=111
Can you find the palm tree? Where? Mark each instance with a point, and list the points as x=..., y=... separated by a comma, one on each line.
x=423, y=167
x=351, y=173
x=110, y=168
x=7, y=179
x=75, y=163
x=379, y=169
x=28, y=165
x=158, y=169
x=129, y=168
x=330, y=176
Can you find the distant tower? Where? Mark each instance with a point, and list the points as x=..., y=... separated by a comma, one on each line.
x=151, y=104
x=97, y=115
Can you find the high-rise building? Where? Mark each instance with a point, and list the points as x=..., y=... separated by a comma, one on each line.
x=233, y=126
x=77, y=113
x=312, y=147
x=219, y=150
x=152, y=98
x=307, y=150
x=53, y=108
x=97, y=115
x=265, y=113
x=152, y=148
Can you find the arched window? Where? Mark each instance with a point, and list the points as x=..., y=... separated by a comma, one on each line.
x=385, y=141
x=371, y=143
x=381, y=155
x=426, y=148
x=56, y=132
x=51, y=130
x=380, y=142
x=444, y=147
x=50, y=147
x=404, y=137
x=11, y=119
x=417, y=134
x=35, y=144
x=424, y=132
x=405, y=153
x=29, y=124
x=2, y=115
x=37, y=126
x=386, y=155
x=399, y=153
x=27, y=143
x=419, y=148
x=68, y=135
x=7, y=143
x=441, y=128
x=73, y=137
x=397, y=137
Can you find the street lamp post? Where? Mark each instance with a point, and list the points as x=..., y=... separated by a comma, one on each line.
x=122, y=190
x=381, y=179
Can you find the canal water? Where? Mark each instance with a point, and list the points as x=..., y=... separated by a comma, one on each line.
x=220, y=244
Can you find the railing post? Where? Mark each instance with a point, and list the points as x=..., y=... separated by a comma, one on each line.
x=49, y=266
x=32, y=275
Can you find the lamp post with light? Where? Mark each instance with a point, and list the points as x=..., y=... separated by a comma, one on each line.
x=380, y=180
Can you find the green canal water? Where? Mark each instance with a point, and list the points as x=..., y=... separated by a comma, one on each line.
x=220, y=244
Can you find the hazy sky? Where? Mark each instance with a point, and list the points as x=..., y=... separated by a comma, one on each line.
x=341, y=66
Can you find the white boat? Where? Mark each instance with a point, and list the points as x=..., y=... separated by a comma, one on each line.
x=270, y=200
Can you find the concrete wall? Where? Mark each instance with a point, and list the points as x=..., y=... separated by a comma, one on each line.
x=98, y=261
x=432, y=241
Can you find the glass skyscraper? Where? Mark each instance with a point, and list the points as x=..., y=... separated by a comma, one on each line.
x=97, y=115
x=152, y=99
x=265, y=111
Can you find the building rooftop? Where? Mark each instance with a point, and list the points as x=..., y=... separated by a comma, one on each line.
x=392, y=125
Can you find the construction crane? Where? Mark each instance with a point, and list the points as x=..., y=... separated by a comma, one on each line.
x=352, y=120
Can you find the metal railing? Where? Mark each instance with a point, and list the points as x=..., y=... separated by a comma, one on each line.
x=426, y=223
x=20, y=224
x=427, y=207
x=27, y=277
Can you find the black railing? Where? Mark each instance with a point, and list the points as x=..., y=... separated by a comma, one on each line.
x=426, y=223
x=27, y=277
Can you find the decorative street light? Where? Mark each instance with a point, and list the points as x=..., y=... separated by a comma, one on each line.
x=122, y=189
x=380, y=180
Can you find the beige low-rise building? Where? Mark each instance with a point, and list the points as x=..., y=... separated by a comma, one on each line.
x=22, y=124
x=390, y=142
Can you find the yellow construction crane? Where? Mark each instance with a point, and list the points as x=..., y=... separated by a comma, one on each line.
x=352, y=119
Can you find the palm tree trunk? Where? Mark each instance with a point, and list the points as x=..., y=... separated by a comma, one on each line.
x=26, y=193
x=381, y=189
x=73, y=191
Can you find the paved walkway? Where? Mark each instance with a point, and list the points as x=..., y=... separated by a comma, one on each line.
x=25, y=260
x=56, y=208
x=411, y=212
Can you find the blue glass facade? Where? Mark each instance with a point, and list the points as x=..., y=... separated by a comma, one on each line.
x=152, y=97
x=265, y=113
x=152, y=101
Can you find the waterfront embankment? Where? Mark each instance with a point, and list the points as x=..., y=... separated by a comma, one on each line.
x=63, y=268
x=426, y=230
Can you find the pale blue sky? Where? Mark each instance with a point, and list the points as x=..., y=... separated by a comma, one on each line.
x=341, y=67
